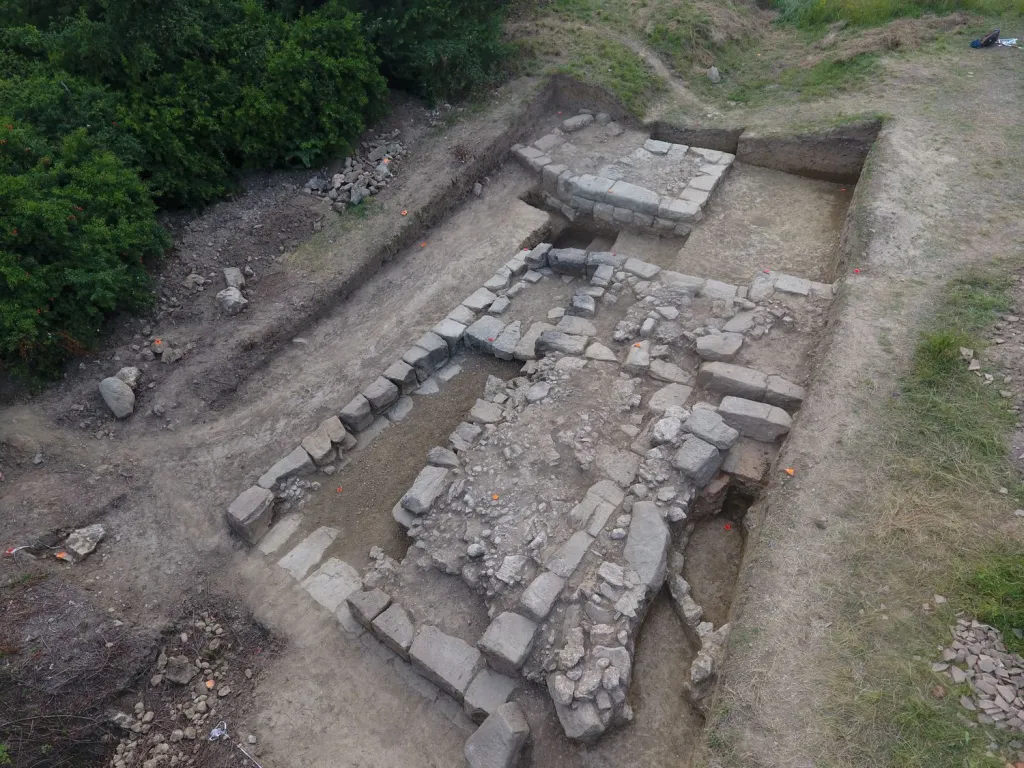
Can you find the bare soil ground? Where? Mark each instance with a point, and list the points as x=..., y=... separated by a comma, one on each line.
x=941, y=190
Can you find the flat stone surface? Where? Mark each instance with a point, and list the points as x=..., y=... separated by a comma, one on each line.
x=332, y=427
x=526, y=349
x=499, y=281
x=582, y=305
x=749, y=460
x=647, y=545
x=783, y=393
x=498, y=742
x=442, y=457
x=641, y=269
x=661, y=370
x=761, y=287
x=380, y=393
x=402, y=375
x=715, y=289
x=479, y=300
x=294, y=463
x=556, y=341
x=462, y=315
x=728, y=379
x=250, y=513
x=619, y=465
x=368, y=605
x=428, y=485
x=688, y=283
x=573, y=124
x=537, y=258
x=394, y=628
x=757, y=420
x=118, y=396
x=282, y=531
x=500, y=305
x=402, y=408
x=485, y=412
x=448, y=661
x=719, y=347
x=538, y=598
x=307, y=553
x=451, y=331
x=638, y=359
x=698, y=460
x=794, y=285
x=741, y=322
x=568, y=261
x=580, y=720
x=357, y=414
x=709, y=426
x=488, y=691
x=598, y=351
x=504, y=346
x=507, y=641
x=332, y=583
x=567, y=557
x=482, y=334
x=667, y=397
x=576, y=326
x=632, y=197
x=464, y=436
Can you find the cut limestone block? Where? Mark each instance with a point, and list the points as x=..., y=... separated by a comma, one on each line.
x=479, y=300
x=368, y=605
x=580, y=720
x=294, y=463
x=538, y=257
x=250, y=513
x=307, y=553
x=711, y=428
x=728, y=379
x=638, y=360
x=719, y=347
x=647, y=545
x=667, y=397
x=567, y=558
x=357, y=415
x=662, y=370
x=380, y=394
x=486, y=412
x=320, y=447
x=332, y=427
x=568, y=261
x=715, y=289
x=488, y=691
x=797, y=286
x=462, y=315
x=642, y=269
x=482, y=334
x=394, y=628
x=428, y=485
x=698, y=460
x=429, y=354
x=556, y=341
x=332, y=583
x=402, y=375
x=784, y=393
x=464, y=436
x=601, y=353
x=538, y=599
x=757, y=420
x=526, y=349
x=451, y=332
x=280, y=533
x=448, y=661
x=498, y=742
x=749, y=460
x=576, y=326
x=507, y=641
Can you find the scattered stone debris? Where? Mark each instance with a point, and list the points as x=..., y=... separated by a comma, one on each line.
x=362, y=175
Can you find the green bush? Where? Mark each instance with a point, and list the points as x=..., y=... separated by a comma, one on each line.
x=441, y=49
x=76, y=230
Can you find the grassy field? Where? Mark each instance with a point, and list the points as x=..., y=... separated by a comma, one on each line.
x=940, y=453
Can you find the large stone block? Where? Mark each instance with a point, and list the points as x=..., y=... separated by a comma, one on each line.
x=567, y=557
x=296, y=462
x=250, y=513
x=448, y=661
x=568, y=261
x=428, y=485
x=757, y=420
x=380, y=394
x=784, y=393
x=580, y=720
x=698, y=460
x=504, y=346
x=435, y=355
x=539, y=598
x=118, y=396
x=482, y=334
x=677, y=210
x=642, y=269
x=402, y=375
x=719, y=347
x=576, y=326
x=647, y=545
x=357, y=414
x=749, y=460
x=451, y=332
x=320, y=447
x=797, y=286
x=366, y=606
x=507, y=641
x=526, y=349
x=394, y=628
x=556, y=341
x=573, y=124
x=638, y=360
x=711, y=428
x=479, y=300
x=667, y=397
x=596, y=259
x=728, y=379
x=677, y=280
x=625, y=195
x=488, y=691
x=537, y=258
x=498, y=742
x=716, y=289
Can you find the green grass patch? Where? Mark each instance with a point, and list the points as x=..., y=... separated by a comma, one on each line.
x=815, y=13
x=939, y=452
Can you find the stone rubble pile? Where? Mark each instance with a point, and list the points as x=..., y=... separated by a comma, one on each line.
x=363, y=175
x=979, y=658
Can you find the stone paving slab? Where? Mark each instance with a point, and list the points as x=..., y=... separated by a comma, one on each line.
x=448, y=661
x=332, y=583
x=307, y=553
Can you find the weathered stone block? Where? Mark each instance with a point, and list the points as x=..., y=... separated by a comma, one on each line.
x=604, y=212
x=716, y=289
x=436, y=356
x=741, y=322
x=642, y=269
x=393, y=627
x=638, y=360
x=482, y=334
x=661, y=370
x=678, y=210
x=498, y=742
x=657, y=147
x=698, y=196
x=504, y=346
x=556, y=341
x=250, y=513
x=580, y=720
x=488, y=691
x=667, y=397
x=486, y=412
x=568, y=261
x=320, y=447
x=762, y=287
x=526, y=349
x=698, y=460
x=797, y=286
x=507, y=641
x=368, y=605
x=294, y=463
x=749, y=460
x=735, y=380
x=451, y=332
x=719, y=347
x=567, y=557
x=577, y=123
x=357, y=415
x=647, y=545
x=678, y=281
x=576, y=326
x=499, y=281
x=757, y=420
x=704, y=183
x=632, y=197
x=479, y=300
x=539, y=598
x=380, y=394
x=784, y=393
x=711, y=428
x=429, y=484
x=464, y=436
x=582, y=305
x=403, y=375
x=537, y=258
x=448, y=661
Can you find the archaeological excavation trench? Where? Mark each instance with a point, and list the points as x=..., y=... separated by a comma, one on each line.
x=545, y=499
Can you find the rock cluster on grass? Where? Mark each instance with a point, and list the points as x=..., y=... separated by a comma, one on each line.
x=363, y=175
x=979, y=658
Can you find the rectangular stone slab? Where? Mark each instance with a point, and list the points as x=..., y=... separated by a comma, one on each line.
x=332, y=583
x=448, y=661
x=567, y=558
x=294, y=463
x=760, y=421
x=307, y=553
x=249, y=514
